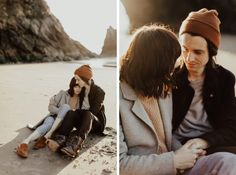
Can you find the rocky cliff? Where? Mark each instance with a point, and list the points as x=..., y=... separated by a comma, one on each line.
x=109, y=46
x=29, y=32
x=170, y=12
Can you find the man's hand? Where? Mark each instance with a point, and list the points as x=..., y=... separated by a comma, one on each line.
x=185, y=158
x=197, y=143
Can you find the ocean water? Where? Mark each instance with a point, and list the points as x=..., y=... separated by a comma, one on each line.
x=99, y=62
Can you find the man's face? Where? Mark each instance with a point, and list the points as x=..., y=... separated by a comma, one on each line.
x=194, y=52
x=79, y=81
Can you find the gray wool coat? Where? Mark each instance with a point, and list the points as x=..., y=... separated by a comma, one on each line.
x=139, y=148
x=55, y=103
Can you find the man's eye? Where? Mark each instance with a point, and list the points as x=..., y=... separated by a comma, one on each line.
x=198, y=53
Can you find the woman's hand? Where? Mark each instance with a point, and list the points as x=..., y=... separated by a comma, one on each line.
x=185, y=157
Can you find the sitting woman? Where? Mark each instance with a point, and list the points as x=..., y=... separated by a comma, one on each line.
x=59, y=105
x=146, y=106
x=90, y=117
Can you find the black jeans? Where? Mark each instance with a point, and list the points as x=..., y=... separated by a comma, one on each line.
x=83, y=120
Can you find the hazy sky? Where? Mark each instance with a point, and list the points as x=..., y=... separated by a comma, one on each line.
x=85, y=20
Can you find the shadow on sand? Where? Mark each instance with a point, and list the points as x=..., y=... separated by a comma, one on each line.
x=42, y=161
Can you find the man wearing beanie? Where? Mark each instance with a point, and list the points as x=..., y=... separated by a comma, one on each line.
x=84, y=72
x=90, y=116
x=204, y=107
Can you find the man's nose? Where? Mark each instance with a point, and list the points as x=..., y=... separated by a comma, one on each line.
x=190, y=57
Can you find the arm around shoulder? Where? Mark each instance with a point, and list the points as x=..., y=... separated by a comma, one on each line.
x=98, y=99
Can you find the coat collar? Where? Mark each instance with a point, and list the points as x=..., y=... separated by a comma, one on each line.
x=165, y=105
x=129, y=94
x=181, y=77
x=210, y=82
x=127, y=91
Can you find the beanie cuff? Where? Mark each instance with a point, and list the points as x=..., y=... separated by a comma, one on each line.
x=201, y=29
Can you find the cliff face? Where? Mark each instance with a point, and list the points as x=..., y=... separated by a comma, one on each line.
x=141, y=12
x=109, y=46
x=170, y=12
x=29, y=32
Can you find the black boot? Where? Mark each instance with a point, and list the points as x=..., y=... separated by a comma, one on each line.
x=73, y=146
x=57, y=142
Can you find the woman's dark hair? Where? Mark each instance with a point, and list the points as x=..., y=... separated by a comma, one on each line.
x=71, y=88
x=149, y=60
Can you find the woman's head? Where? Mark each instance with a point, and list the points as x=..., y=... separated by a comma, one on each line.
x=75, y=88
x=149, y=60
x=83, y=74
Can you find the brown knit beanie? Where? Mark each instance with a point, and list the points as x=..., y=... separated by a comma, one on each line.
x=204, y=23
x=84, y=71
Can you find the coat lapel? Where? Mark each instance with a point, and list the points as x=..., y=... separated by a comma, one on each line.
x=165, y=105
x=137, y=107
x=140, y=112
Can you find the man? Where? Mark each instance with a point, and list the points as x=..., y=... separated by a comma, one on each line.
x=204, y=111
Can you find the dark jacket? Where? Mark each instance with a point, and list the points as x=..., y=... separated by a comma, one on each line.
x=218, y=100
x=96, y=97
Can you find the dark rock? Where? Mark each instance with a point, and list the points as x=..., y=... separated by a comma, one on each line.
x=109, y=46
x=141, y=12
x=29, y=32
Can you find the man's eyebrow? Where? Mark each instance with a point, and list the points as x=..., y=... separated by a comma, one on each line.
x=198, y=50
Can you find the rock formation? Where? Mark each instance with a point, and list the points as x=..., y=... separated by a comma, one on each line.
x=109, y=46
x=172, y=13
x=29, y=32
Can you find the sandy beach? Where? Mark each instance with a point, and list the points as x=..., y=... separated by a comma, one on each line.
x=25, y=91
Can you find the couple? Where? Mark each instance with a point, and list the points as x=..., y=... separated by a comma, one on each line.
x=81, y=106
x=171, y=121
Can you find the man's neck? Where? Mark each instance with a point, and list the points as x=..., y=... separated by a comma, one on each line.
x=198, y=75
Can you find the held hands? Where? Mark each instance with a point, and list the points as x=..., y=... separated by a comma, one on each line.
x=186, y=156
x=198, y=143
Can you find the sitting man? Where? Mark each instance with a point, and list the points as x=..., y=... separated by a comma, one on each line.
x=204, y=110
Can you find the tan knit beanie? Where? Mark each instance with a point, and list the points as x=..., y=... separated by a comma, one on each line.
x=84, y=71
x=204, y=23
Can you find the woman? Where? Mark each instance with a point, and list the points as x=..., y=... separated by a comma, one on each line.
x=145, y=105
x=90, y=117
x=59, y=105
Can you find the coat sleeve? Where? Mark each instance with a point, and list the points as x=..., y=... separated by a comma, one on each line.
x=98, y=99
x=176, y=144
x=54, y=101
x=151, y=164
